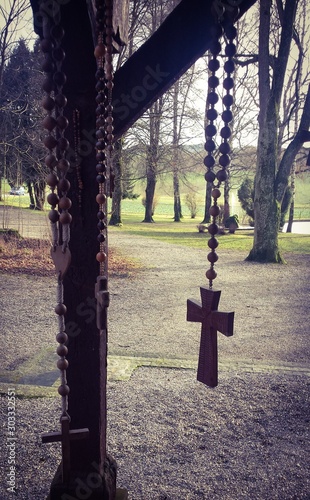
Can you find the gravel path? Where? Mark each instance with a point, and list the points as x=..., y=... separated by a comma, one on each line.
x=173, y=438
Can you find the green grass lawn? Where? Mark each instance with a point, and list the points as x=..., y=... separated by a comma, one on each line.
x=186, y=233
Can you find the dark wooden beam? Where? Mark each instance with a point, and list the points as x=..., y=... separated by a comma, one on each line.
x=182, y=38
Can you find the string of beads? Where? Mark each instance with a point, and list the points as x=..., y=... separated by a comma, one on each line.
x=216, y=179
x=104, y=122
x=55, y=124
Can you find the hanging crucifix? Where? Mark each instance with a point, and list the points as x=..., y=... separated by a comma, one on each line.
x=207, y=312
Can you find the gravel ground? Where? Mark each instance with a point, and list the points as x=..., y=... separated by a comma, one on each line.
x=173, y=438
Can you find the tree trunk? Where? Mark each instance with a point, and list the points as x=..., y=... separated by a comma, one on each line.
x=152, y=160
x=149, y=193
x=116, y=215
x=208, y=202
x=266, y=208
x=292, y=204
x=270, y=184
x=30, y=192
x=39, y=194
x=177, y=199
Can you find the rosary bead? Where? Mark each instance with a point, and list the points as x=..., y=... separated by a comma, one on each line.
x=212, y=257
x=60, y=100
x=228, y=83
x=65, y=218
x=101, y=226
x=224, y=160
x=46, y=45
x=100, y=98
x=210, y=130
x=59, y=54
x=101, y=238
x=99, y=50
x=52, y=180
x=210, y=145
x=227, y=116
x=228, y=100
x=63, y=185
x=101, y=178
x=62, y=364
x=216, y=193
x=60, y=309
x=100, y=144
x=230, y=31
x=52, y=199
x=101, y=198
x=221, y=175
x=100, y=110
x=65, y=203
x=213, y=243
x=63, y=390
x=109, y=110
x=48, y=66
x=110, y=137
x=100, y=73
x=48, y=85
x=100, y=134
x=210, y=176
x=211, y=114
x=63, y=165
x=63, y=144
x=211, y=274
x=62, y=122
x=101, y=168
x=224, y=148
x=213, y=228
x=57, y=32
x=100, y=122
x=100, y=215
x=100, y=156
x=229, y=66
x=225, y=132
x=109, y=68
x=50, y=161
x=62, y=338
x=230, y=49
x=213, y=65
x=49, y=123
x=48, y=103
x=214, y=210
x=53, y=216
x=50, y=142
x=62, y=350
x=109, y=85
x=213, y=81
x=209, y=161
x=212, y=98
x=101, y=257
x=100, y=86
x=215, y=47
x=60, y=78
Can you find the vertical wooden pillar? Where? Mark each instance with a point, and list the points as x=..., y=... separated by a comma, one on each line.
x=87, y=348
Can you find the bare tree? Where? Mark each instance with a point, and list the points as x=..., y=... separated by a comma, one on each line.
x=272, y=174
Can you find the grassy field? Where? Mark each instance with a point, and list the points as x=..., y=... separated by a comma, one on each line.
x=186, y=232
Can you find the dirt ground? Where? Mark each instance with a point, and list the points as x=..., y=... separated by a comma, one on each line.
x=173, y=438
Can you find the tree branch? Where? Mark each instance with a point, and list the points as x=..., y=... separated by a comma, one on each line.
x=302, y=136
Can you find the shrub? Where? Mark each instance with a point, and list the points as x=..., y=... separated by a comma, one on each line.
x=191, y=203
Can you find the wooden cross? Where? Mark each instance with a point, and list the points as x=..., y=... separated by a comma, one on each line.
x=65, y=436
x=211, y=321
